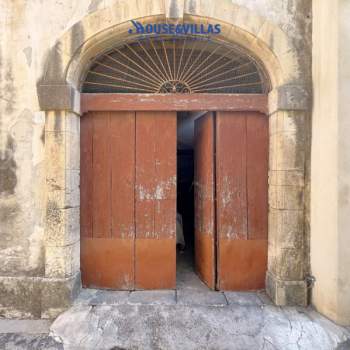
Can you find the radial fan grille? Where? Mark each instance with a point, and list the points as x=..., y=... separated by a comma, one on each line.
x=175, y=65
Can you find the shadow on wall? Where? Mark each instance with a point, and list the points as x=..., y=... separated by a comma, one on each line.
x=8, y=166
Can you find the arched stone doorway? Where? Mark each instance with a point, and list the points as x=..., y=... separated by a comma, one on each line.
x=288, y=110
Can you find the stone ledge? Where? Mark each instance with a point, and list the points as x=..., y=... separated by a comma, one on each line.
x=286, y=293
x=24, y=326
x=36, y=297
x=289, y=97
x=203, y=298
x=58, y=295
x=20, y=297
x=60, y=97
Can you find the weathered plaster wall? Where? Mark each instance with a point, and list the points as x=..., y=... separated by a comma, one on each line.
x=330, y=187
x=293, y=17
x=29, y=29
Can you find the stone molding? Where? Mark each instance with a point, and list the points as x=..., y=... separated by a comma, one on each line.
x=59, y=97
x=289, y=98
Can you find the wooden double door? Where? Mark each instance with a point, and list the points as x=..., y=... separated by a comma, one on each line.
x=128, y=200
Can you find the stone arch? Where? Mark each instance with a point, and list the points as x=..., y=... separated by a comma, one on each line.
x=58, y=92
x=98, y=30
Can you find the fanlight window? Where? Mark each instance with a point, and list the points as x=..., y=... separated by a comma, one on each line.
x=175, y=65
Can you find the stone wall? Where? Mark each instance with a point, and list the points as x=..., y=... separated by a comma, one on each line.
x=39, y=273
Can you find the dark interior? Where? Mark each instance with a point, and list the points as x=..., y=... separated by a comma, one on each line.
x=186, y=276
x=185, y=194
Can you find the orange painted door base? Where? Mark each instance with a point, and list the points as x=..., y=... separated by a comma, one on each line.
x=128, y=200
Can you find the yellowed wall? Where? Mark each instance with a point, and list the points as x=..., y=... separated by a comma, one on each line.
x=330, y=161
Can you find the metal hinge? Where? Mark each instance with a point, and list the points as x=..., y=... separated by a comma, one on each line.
x=310, y=281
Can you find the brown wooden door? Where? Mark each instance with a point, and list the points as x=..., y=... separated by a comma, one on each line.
x=125, y=215
x=107, y=199
x=241, y=190
x=204, y=199
x=231, y=151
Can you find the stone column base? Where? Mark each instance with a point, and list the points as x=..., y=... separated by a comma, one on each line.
x=57, y=295
x=37, y=297
x=286, y=293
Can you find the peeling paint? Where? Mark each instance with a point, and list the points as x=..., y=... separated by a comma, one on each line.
x=160, y=191
x=94, y=5
x=226, y=193
x=9, y=89
x=28, y=54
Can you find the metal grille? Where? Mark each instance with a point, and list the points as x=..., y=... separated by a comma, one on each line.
x=175, y=65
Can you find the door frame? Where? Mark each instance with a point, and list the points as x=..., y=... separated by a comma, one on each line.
x=174, y=102
x=117, y=102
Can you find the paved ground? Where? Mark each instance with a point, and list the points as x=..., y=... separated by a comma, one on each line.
x=168, y=320
x=27, y=335
x=192, y=317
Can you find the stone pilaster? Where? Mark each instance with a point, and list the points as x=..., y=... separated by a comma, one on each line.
x=62, y=231
x=285, y=281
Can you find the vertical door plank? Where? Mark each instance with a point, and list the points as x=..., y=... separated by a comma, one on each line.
x=86, y=179
x=145, y=181
x=257, y=175
x=204, y=199
x=101, y=176
x=122, y=153
x=231, y=196
x=155, y=200
x=165, y=167
x=231, y=176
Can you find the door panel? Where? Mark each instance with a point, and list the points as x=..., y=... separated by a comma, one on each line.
x=122, y=153
x=107, y=199
x=155, y=200
x=101, y=172
x=86, y=178
x=241, y=187
x=204, y=199
x=242, y=264
x=231, y=167
x=257, y=172
x=107, y=263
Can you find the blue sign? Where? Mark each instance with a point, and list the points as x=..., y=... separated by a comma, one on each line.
x=175, y=29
